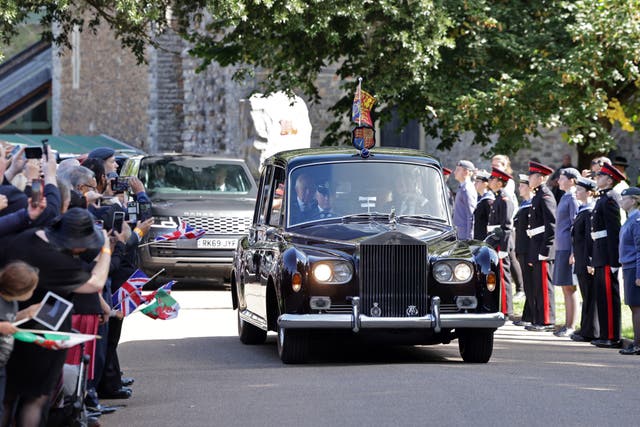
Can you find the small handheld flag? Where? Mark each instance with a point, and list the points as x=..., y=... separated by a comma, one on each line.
x=52, y=340
x=164, y=307
x=184, y=231
x=129, y=295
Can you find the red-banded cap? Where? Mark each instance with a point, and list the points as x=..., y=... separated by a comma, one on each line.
x=446, y=171
x=611, y=171
x=535, y=167
x=500, y=174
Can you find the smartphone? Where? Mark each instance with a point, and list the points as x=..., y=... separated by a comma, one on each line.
x=132, y=211
x=118, y=219
x=45, y=151
x=144, y=211
x=33, y=152
x=36, y=193
x=99, y=223
x=119, y=185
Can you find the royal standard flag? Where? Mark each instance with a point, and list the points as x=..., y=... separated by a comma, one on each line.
x=362, y=105
x=164, y=307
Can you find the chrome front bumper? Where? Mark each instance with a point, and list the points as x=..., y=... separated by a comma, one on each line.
x=356, y=321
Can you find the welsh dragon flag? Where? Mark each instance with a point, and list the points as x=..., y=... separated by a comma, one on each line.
x=52, y=340
x=164, y=307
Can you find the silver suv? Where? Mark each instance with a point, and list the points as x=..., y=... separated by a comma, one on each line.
x=211, y=193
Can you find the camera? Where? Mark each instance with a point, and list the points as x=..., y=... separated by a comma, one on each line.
x=119, y=185
x=33, y=152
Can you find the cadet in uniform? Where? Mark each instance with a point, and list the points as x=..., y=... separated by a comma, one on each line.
x=500, y=216
x=541, y=230
x=483, y=207
x=582, y=250
x=630, y=260
x=605, y=232
x=521, y=223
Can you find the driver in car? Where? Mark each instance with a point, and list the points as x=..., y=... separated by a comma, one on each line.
x=324, y=200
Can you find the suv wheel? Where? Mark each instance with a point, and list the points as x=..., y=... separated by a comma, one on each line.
x=476, y=345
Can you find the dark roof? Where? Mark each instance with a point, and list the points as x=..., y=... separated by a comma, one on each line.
x=295, y=158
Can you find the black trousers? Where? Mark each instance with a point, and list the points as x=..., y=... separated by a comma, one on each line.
x=608, y=301
x=506, y=297
x=527, y=286
x=543, y=305
x=111, y=380
x=589, y=326
x=516, y=271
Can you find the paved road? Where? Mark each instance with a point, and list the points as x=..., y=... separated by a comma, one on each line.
x=193, y=371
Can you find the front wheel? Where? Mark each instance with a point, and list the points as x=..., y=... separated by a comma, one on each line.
x=250, y=334
x=293, y=345
x=476, y=345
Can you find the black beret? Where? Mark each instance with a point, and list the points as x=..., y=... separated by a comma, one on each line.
x=570, y=173
x=587, y=183
x=631, y=191
x=101, y=153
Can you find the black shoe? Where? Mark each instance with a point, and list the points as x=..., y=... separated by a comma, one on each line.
x=521, y=323
x=101, y=409
x=539, y=328
x=127, y=381
x=122, y=393
x=579, y=338
x=632, y=349
x=607, y=343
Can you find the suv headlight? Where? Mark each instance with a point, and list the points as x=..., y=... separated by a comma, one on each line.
x=165, y=222
x=332, y=272
x=452, y=271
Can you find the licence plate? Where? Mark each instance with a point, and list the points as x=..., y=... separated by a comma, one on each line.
x=217, y=243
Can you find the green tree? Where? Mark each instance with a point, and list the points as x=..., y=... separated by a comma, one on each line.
x=494, y=67
x=134, y=22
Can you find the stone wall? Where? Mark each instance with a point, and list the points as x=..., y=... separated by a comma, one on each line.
x=166, y=95
x=112, y=92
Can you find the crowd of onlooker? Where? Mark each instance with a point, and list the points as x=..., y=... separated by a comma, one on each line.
x=63, y=229
x=565, y=229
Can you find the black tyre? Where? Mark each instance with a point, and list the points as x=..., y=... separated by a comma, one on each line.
x=250, y=334
x=293, y=345
x=476, y=345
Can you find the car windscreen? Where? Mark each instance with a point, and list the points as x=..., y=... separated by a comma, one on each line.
x=164, y=175
x=341, y=189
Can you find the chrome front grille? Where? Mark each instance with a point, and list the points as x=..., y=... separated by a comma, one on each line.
x=220, y=225
x=393, y=271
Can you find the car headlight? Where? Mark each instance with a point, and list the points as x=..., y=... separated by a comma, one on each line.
x=332, y=272
x=442, y=272
x=462, y=272
x=452, y=271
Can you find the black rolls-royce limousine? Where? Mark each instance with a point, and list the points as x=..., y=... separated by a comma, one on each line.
x=343, y=240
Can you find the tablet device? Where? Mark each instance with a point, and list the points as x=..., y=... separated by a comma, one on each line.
x=53, y=310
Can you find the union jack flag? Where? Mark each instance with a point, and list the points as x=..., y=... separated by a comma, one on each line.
x=184, y=231
x=129, y=296
x=166, y=287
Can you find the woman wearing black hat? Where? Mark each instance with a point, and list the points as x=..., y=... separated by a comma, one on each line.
x=56, y=251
